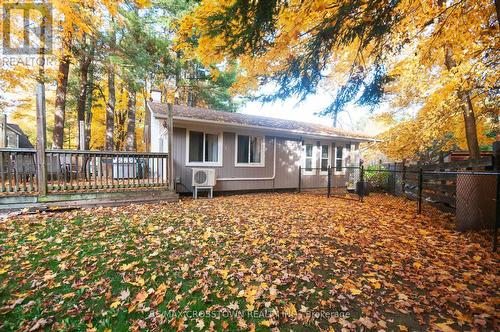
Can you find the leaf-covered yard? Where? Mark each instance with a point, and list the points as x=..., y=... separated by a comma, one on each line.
x=245, y=262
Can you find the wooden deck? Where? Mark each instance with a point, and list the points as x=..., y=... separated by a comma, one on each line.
x=83, y=178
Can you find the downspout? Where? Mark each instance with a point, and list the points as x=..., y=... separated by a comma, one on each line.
x=257, y=179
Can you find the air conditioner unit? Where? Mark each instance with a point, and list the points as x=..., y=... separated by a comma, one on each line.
x=203, y=177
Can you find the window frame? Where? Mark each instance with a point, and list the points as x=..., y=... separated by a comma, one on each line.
x=262, y=162
x=329, y=149
x=342, y=158
x=220, y=146
x=314, y=158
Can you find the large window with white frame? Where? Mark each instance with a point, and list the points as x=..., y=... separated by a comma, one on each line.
x=204, y=149
x=250, y=150
x=325, y=158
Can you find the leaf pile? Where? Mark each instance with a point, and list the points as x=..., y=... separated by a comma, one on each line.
x=272, y=260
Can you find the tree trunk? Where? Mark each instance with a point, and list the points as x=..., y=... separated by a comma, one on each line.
x=88, y=107
x=110, y=110
x=82, y=96
x=467, y=110
x=131, y=143
x=470, y=125
x=335, y=115
x=110, y=106
x=60, y=105
x=120, y=118
x=497, y=6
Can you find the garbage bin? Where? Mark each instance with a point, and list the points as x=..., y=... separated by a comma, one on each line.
x=362, y=190
x=476, y=202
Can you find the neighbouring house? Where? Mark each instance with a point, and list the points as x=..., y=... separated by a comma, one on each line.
x=251, y=152
x=12, y=136
x=461, y=155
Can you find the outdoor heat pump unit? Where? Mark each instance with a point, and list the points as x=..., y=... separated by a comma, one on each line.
x=203, y=178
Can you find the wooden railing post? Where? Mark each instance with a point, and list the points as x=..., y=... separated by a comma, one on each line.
x=41, y=165
x=170, y=157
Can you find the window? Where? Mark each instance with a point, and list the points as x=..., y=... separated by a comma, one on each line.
x=325, y=158
x=211, y=148
x=249, y=150
x=196, y=146
x=339, y=159
x=348, y=159
x=204, y=148
x=308, y=160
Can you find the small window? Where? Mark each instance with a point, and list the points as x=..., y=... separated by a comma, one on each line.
x=339, y=159
x=203, y=147
x=308, y=161
x=249, y=150
x=325, y=158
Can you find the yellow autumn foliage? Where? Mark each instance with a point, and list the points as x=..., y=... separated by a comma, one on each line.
x=71, y=19
x=467, y=29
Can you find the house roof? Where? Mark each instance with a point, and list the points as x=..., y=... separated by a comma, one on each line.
x=24, y=141
x=245, y=120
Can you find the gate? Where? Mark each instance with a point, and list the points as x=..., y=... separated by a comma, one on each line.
x=333, y=182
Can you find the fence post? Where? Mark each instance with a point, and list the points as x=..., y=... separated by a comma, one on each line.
x=362, y=182
x=403, y=183
x=300, y=177
x=329, y=182
x=395, y=177
x=420, y=183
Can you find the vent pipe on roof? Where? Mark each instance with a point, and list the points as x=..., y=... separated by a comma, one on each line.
x=156, y=95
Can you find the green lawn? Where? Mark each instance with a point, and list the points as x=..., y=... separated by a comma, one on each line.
x=245, y=262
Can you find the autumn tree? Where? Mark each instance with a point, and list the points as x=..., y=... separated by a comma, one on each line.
x=368, y=50
x=111, y=102
x=109, y=53
x=61, y=91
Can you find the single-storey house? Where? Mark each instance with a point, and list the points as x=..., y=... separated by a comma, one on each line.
x=251, y=152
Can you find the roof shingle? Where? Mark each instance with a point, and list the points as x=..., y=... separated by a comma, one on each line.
x=197, y=113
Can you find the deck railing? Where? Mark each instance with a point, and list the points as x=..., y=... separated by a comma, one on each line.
x=17, y=170
x=77, y=171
